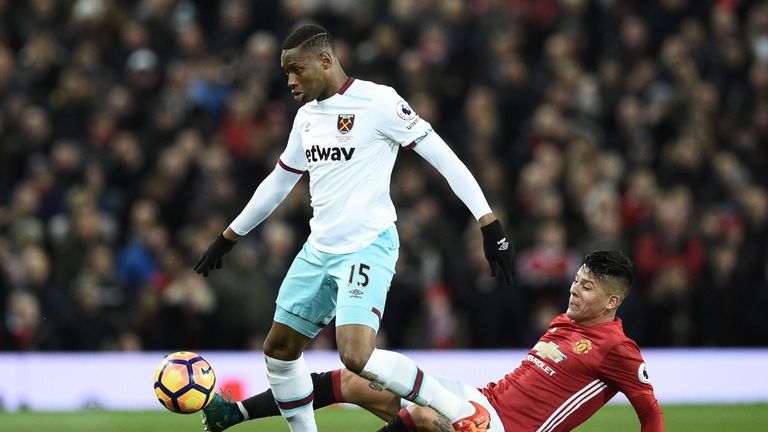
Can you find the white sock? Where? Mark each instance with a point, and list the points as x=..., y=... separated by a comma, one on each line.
x=400, y=375
x=243, y=411
x=294, y=393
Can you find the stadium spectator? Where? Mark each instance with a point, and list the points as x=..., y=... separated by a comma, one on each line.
x=676, y=92
x=669, y=260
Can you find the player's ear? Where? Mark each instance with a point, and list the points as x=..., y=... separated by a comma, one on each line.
x=614, y=300
x=326, y=60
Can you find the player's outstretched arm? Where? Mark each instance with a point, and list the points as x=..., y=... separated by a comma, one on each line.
x=496, y=244
x=648, y=412
x=624, y=367
x=270, y=193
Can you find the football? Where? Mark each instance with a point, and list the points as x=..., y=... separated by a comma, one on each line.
x=184, y=382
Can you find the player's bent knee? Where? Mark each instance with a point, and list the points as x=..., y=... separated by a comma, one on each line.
x=354, y=350
x=282, y=348
x=280, y=353
x=354, y=360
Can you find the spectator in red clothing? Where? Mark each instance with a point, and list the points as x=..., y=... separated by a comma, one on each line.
x=550, y=262
x=669, y=258
x=24, y=328
x=637, y=200
x=158, y=93
x=240, y=127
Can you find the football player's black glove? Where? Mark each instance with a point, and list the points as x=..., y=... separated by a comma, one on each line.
x=211, y=258
x=498, y=251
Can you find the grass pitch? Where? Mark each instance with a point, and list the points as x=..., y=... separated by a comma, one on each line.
x=678, y=418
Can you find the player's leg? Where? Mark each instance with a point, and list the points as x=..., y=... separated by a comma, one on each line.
x=222, y=413
x=413, y=417
x=331, y=387
x=327, y=387
x=417, y=418
x=373, y=397
x=289, y=380
x=401, y=376
x=306, y=302
x=338, y=386
x=289, y=377
x=363, y=279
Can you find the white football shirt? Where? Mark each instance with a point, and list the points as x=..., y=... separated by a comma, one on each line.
x=348, y=143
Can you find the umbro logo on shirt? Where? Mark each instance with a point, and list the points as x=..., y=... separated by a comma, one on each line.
x=319, y=154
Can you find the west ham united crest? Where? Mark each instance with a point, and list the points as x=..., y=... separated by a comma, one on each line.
x=345, y=122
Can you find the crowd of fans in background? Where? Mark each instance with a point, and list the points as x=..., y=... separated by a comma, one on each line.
x=131, y=133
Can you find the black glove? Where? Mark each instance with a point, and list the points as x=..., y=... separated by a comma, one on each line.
x=211, y=258
x=498, y=250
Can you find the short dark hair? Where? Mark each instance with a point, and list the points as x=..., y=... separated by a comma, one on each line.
x=610, y=266
x=310, y=37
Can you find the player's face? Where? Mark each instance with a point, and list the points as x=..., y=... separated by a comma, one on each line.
x=307, y=73
x=588, y=302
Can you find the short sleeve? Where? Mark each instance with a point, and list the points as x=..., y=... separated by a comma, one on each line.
x=398, y=121
x=293, y=158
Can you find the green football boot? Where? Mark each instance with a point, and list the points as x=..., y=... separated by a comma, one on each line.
x=221, y=413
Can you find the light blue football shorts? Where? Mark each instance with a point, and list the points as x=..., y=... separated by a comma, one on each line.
x=352, y=287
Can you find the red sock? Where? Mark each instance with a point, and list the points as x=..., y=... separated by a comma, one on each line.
x=336, y=385
x=401, y=423
x=407, y=420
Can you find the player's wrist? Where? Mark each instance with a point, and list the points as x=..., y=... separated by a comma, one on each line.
x=487, y=219
x=230, y=234
x=493, y=230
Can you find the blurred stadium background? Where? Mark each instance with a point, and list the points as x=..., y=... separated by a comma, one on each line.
x=132, y=132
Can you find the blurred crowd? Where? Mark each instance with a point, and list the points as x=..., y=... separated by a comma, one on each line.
x=132, y=133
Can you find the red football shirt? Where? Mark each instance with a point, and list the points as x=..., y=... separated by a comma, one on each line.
x=571, y=372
